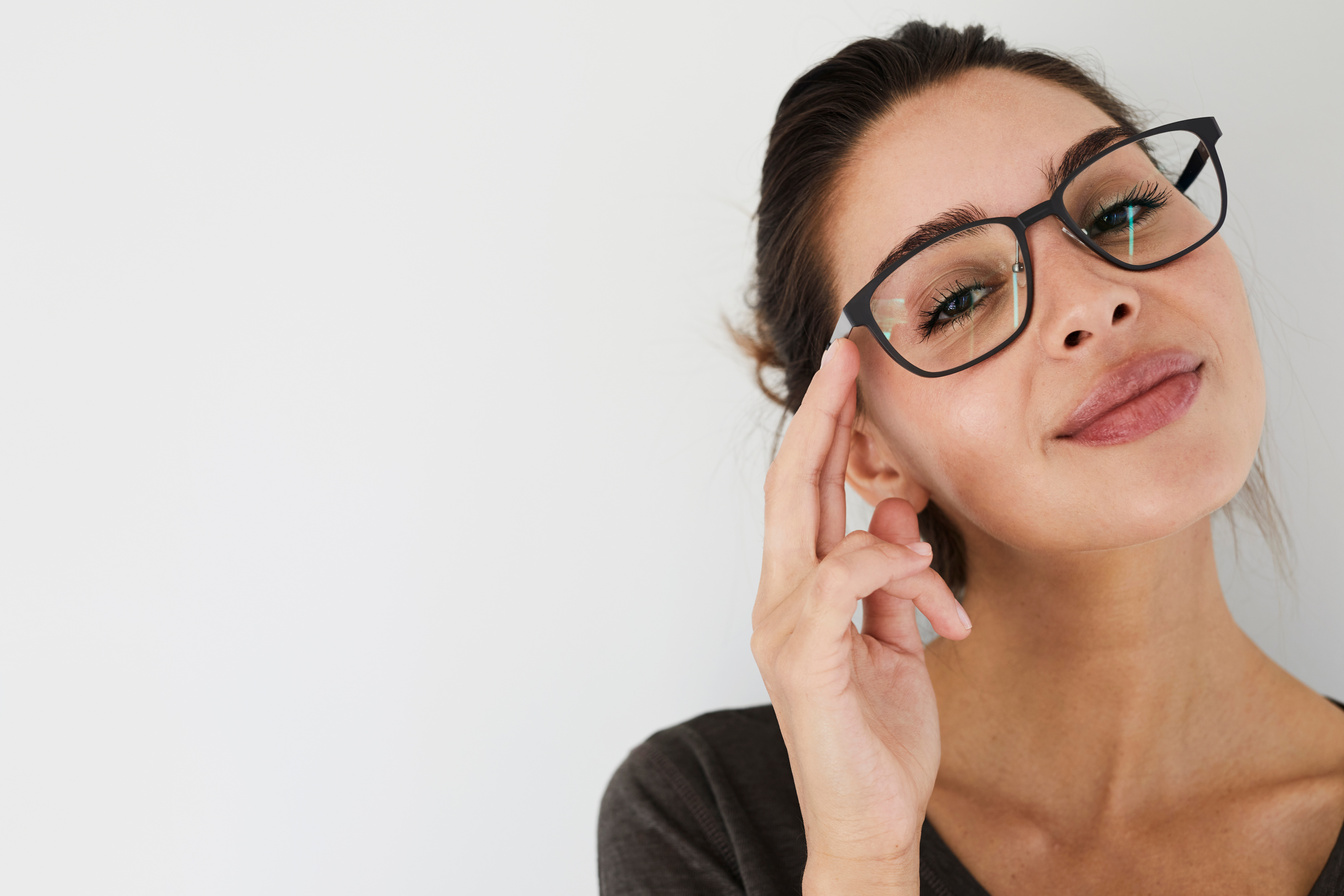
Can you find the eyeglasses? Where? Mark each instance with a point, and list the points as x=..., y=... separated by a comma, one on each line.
x=960, y=288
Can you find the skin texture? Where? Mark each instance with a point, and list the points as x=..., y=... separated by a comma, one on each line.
x=1107, y=717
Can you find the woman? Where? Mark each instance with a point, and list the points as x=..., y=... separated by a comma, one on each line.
x=1041, y=359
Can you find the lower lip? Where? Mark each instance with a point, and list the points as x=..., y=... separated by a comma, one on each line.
x=1164, y=403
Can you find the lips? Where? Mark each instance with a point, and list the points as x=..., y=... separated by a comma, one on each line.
x=1136, y=399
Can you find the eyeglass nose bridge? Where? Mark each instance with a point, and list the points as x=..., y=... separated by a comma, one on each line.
x=1050, y=208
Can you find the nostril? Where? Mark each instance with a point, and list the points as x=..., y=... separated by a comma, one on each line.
x=1073, y=338
x=1121, y=312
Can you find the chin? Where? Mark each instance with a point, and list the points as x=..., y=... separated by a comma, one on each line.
x=1175, y=482
x=1141, y=503
x=1147, y=512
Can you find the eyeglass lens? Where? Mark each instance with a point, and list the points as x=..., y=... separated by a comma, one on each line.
x=962, y=297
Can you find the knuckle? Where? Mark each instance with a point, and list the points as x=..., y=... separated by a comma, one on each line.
x=860, y=538
x=928, y=588
x=927, y=581
x=811, y=477
x=832, y=476
x=761, y=624
x=831, y=578
x=893, y=553
x=916, y=592
x=759, y=645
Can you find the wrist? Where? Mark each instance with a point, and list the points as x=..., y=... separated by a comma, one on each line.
x=830, y=876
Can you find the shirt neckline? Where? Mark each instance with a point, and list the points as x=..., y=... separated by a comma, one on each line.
x=943, y=872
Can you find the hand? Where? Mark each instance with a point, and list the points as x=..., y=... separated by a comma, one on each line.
x=856, y=709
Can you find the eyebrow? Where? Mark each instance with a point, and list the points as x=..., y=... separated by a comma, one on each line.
x=932, y=229
x=1055, y=174
x=1081, y=152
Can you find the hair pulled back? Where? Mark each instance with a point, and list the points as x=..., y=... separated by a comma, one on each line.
x=820, y=121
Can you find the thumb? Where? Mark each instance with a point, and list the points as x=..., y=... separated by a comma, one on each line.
x=894, y=520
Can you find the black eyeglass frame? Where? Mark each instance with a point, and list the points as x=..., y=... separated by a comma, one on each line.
x=859, y=313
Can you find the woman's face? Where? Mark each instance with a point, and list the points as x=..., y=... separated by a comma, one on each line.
x=989, y=444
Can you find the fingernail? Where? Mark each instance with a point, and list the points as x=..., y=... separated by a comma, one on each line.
x=826, y=355
x=965, y=620
x=922, y=547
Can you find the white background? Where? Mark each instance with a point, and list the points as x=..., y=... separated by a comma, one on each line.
x=376, y=470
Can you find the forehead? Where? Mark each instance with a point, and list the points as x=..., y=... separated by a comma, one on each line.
x=985, y=138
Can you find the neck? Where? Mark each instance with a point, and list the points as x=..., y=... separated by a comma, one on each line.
x=1101, y=683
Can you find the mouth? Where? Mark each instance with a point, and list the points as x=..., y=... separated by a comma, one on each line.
x=1136, y=399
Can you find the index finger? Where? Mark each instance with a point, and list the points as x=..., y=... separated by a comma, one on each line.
x=798, y=503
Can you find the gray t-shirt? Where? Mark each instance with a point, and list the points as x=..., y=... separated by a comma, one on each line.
x=708, y=807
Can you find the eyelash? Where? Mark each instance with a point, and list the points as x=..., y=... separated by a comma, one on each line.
x=1149, y=196
x=932, y=323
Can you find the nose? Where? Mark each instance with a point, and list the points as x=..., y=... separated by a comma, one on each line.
x=1082, y=300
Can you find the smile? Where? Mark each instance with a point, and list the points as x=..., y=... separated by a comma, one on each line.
x=1139, y=398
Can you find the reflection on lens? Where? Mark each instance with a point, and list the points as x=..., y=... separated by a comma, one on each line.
x=955, y=300
x=965, y=295
x=889, y=312
x=1147, y=201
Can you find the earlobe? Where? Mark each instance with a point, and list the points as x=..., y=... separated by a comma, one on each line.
x=875, y=475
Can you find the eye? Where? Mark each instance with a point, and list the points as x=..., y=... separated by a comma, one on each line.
x=956, y=306
x=1134, y=208
x=1112, y=218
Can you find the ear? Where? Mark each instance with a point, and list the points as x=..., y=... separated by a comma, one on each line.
x=875, y=474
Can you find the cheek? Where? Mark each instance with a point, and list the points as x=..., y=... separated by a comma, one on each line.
x=984, y=419
x=979, y=454
x=1246, y=380
x=963, y=438
x=1225, y=315
x=1250, y=385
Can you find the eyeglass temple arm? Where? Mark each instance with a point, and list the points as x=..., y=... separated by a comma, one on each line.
x=842, y=329
x=1193, y=167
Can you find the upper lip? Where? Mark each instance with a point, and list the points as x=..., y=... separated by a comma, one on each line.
x=1126, y=383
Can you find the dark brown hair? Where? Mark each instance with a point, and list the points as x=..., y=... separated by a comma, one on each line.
x=821, y=119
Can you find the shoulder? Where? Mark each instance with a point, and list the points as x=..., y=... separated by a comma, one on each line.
x=722, y=732
x=706, y=806
x=706, y=753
